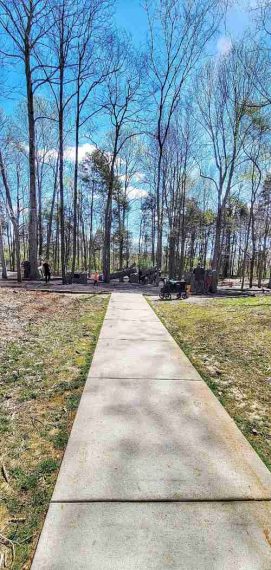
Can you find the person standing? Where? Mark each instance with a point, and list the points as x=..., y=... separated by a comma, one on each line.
x=46, y=271
x=199, y=274
x=96, y=279
x=40, y=269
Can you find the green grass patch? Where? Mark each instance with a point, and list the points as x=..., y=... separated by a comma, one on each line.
x=4, y=422
x=229, y=342
x=61, y=439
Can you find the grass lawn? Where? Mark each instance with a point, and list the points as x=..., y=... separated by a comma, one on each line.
x=46, y=345
x=229, y=342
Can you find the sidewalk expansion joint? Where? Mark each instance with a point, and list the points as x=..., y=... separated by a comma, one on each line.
x=122, y=319
x=145, y=378
x=158, y=339
x=142, y=501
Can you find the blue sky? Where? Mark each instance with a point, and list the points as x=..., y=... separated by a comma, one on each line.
x=130, y=15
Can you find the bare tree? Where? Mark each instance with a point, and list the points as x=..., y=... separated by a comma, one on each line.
x=25, y=23
x=12, y=215
x=92, y=66
x=178, y=34
x=254, y=154
x=64, y=34
x=179, y=161
x=2, y=251
x=223, y=93
x=127, y=171
x=122, y=104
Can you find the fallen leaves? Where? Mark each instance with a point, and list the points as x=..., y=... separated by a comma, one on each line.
x=46, y=342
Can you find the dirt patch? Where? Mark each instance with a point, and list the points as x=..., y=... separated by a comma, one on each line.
x=46, y=346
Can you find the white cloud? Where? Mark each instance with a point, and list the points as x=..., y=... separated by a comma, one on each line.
x=137, y=193
x=69, y=152
x=139, y=177
x=47, y=154
x=224, y=45
x=134, y=192
x=84, y=149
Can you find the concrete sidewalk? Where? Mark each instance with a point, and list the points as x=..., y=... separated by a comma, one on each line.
x=155, y=475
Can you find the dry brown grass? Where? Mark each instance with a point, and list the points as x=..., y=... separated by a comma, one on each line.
x=46, y=345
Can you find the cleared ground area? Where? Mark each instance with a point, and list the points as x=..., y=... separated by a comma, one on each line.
x=46, y=346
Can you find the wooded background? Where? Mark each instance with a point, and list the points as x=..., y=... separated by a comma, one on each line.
x=112, y=154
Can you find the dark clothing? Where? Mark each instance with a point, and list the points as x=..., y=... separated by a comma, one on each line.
x=197, y=273
x=47, y=272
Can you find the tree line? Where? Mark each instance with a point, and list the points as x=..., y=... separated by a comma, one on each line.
x=112, y=153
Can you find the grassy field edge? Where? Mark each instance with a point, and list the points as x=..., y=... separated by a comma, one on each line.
x=43, y=373
x=253, y=433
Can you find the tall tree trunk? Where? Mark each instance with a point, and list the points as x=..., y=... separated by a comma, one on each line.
x=171, y=254
x=2, y=255
x=40, y=228
x=75, y=191
x=108, y=219
x=159, y=215
x=246, y=250
x=182, y=220
x=253, y=255
x=61, y=164
x=107, y=238
x=262, y=260
x=153, y=236
x=9, y=247
x=49, y=232
x=12, y=218
x=217, y=244
x=92, y=257
x=226, y=264
x=121, y=236
x=33, y=222
x=192, y=251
